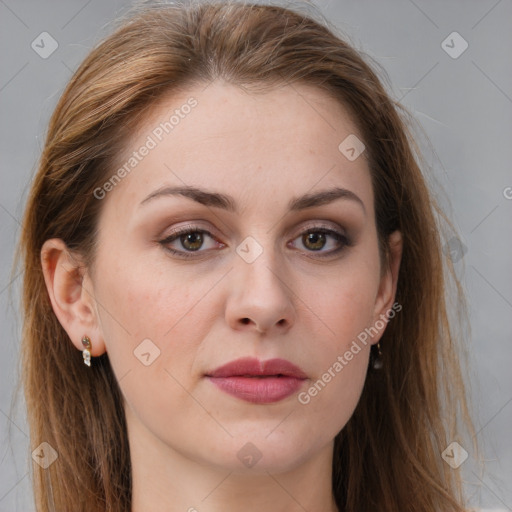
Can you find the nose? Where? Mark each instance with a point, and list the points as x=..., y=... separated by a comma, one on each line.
x=261, y=298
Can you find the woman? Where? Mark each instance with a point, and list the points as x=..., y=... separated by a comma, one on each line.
x=234, y=291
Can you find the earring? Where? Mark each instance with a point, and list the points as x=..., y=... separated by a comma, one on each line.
x=376, y=361
x=86, y=342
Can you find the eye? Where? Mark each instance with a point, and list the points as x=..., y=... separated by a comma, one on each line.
x=316, y=239
x=189, y=239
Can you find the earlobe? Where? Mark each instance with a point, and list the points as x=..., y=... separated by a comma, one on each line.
x=71, y=302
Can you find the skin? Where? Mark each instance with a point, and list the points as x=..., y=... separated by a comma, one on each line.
x=184, y=433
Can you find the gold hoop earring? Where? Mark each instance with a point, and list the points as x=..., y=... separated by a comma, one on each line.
x=86, y=353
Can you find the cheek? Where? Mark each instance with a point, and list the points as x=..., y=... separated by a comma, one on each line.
x=153, y=336
x=343, y=301
x=344, y=308
x=340, y=357
x=332, y=396
x=142, y=302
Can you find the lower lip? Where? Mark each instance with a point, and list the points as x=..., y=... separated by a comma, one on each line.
x=258, y=390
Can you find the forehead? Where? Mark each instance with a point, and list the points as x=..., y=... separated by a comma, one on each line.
x=269, y=145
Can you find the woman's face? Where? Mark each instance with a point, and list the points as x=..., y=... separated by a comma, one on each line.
x=248, y=281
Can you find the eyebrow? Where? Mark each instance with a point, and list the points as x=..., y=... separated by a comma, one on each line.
x=225, y=202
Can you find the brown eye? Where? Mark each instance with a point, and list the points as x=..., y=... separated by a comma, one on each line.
x=316, y=239
x=187, y=240
x=192, y=241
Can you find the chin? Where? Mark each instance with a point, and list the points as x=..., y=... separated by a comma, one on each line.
x=258, y=454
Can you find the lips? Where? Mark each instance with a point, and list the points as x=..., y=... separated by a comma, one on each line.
x=258, y=381
x=252, y=367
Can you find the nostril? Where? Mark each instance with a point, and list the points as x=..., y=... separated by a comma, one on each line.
x=245, y=321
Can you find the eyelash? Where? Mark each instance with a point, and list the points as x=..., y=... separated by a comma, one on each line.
x=345, y=241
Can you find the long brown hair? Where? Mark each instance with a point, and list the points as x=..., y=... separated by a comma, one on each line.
x=388, y=456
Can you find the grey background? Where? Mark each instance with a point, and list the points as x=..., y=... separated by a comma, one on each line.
x=464, y=105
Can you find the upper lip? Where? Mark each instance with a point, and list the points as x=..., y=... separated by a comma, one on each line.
x=250, y=366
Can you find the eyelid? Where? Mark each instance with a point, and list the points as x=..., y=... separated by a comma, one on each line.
x=188, y=227
x=320, y=225
x=336, y=232
x=302, y=229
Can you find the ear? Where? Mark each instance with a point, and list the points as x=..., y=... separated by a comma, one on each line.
x=388, y=285
x=71, y=295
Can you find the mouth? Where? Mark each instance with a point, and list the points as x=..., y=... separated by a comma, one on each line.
x=256, y=381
